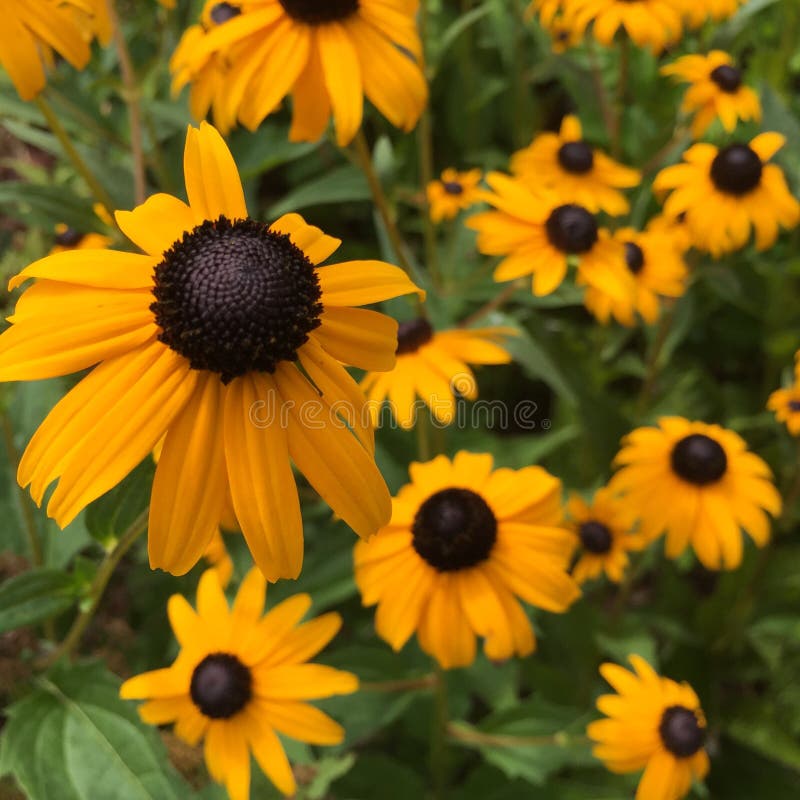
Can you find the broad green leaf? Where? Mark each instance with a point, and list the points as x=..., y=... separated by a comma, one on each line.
x=34, y=596
x=344, y=184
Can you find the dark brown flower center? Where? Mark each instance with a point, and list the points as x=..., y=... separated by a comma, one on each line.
x=236, y=297
x=318, y=12
x=223, y=12
x=699, y=459
x=576, y=157
x=728, y=78
x=453, y=187
x=794, y=405
x=571, y=229
x=454, y=529
x=69, y=238
x=221, y=686
x=634, y=257
x=595, y=537
x=681, y=732
x=412, y=335
x=736, y=169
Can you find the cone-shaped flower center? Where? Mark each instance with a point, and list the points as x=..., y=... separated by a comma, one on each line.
x=728, y=78
x=699, y=459
x=318, y=12
x=235, y=297
x=681, y=732
x=222, y=12
x=571, y=229
x=221, y=686
x=736, y=169
x=794, y=405
x=576, y=157
x=634, y=257
x=69, y=238
x=595, y=537
x=412, y=335
x=454, y=529
x=453, y=187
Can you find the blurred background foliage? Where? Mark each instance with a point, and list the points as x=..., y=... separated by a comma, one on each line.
x=517, y=728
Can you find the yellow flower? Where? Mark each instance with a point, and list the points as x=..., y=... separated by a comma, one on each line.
x=576, y=171
x=196, y=340
x=724, y=193
x=649, y=23
x=786, y=405
x=463, y=544
x=716, y=91
x=538, y=234
x=700, y=485
x=604, y=530
x=697, y=12
x=326, y=54
x=552, y=18
x=67, y=238
x=218, y=556
x=674, y=227
x=240, y=678
x=656, y=264
x=31, y=31
x=654, y=724
x=432, y=365
x=453, y=193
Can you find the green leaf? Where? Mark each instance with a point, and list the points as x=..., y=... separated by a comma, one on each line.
x=34, y=596
x=72, y=738
x=342, y=185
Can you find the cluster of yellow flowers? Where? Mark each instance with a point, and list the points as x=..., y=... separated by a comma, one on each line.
x=220, y=317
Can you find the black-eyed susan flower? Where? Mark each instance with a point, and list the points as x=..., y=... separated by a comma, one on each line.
x=433, y=365
x=656, y=264
x=700, y=485
x=576, y=171
x=551, y=17
x=539, y=235
x=698, y=12
x=31, y=31
x=723, y=193
x=326, y=54
x=716, y=91
x=649, y=23
x=653, y=724
x=241, y=678
x=463, y=544
x=786, y=405
x=604, y=529
x=67, y=238
x=200, y=341
x=454, y=192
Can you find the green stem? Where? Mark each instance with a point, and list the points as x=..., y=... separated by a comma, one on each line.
x=622, y=90
x=98, y=587
x=131, y=97
x=100, y=194
x=599, y=87
x=439, y=732
x=402, y=685
x=31, y=530
x=364, y=158
x=462, y=733
x=653, y=358
x=498, y=301
x=425, y=145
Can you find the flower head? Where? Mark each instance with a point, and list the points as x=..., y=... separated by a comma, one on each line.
x=464, y=542
x=649, y=23
x=540, y=234
x=726, y=192
x=240, y=678
x=574, y=170
x=604, y=529
x=453, y=193
x=716, y=91
x=658, y=270
x=326, y=54
x=786, y=405
x=200, y=341
x=32, y=31
x=654, y=724
x=698, y=484
x=433, y=365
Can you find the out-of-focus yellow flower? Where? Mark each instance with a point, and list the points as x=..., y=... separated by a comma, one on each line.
x=455, y=192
